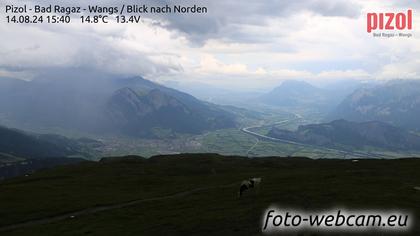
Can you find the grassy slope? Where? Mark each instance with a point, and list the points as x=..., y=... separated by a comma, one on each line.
x=292, y=182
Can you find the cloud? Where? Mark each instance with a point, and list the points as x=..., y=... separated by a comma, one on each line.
x=226, y=18
x=209, y=65
x=400, y=70
x=346, y=74
x=251, y=44
x=114, y=49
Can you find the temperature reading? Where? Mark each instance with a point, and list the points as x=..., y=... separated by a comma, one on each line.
x=94, y=19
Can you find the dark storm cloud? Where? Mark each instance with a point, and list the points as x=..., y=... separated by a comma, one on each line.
x=227, y=20
x=224, y=18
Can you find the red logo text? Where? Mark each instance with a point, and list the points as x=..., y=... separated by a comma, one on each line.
x=390, y=21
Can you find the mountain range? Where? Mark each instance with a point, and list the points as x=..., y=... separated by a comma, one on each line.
x=134, y=112
x=342, y=133
x=396, y=102
x=119, y=106
x=300, y=94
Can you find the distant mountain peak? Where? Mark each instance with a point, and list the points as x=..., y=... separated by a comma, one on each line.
x=295, y=93
x=294, y=83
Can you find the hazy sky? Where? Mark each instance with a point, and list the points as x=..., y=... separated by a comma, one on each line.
x=241, y=44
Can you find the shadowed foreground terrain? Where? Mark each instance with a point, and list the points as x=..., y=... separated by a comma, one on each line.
x=196, y=194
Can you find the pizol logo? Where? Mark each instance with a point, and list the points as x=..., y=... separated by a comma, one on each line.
x=390, y=21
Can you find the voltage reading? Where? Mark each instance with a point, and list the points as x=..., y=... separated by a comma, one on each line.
x=130, y=19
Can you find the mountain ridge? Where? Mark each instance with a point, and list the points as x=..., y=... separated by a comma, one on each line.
x=351, y=135
x=294, y=94
x=396, y=102
x=86, y=104
x=20, y=144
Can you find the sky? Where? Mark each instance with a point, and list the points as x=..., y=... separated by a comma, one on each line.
x=241, y=45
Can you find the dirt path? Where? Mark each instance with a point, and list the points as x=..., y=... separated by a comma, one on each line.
x=92, y=210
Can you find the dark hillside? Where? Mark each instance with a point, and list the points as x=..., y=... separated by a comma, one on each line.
x=196, y=194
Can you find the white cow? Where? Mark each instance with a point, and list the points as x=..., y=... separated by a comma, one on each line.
x=249, y=184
